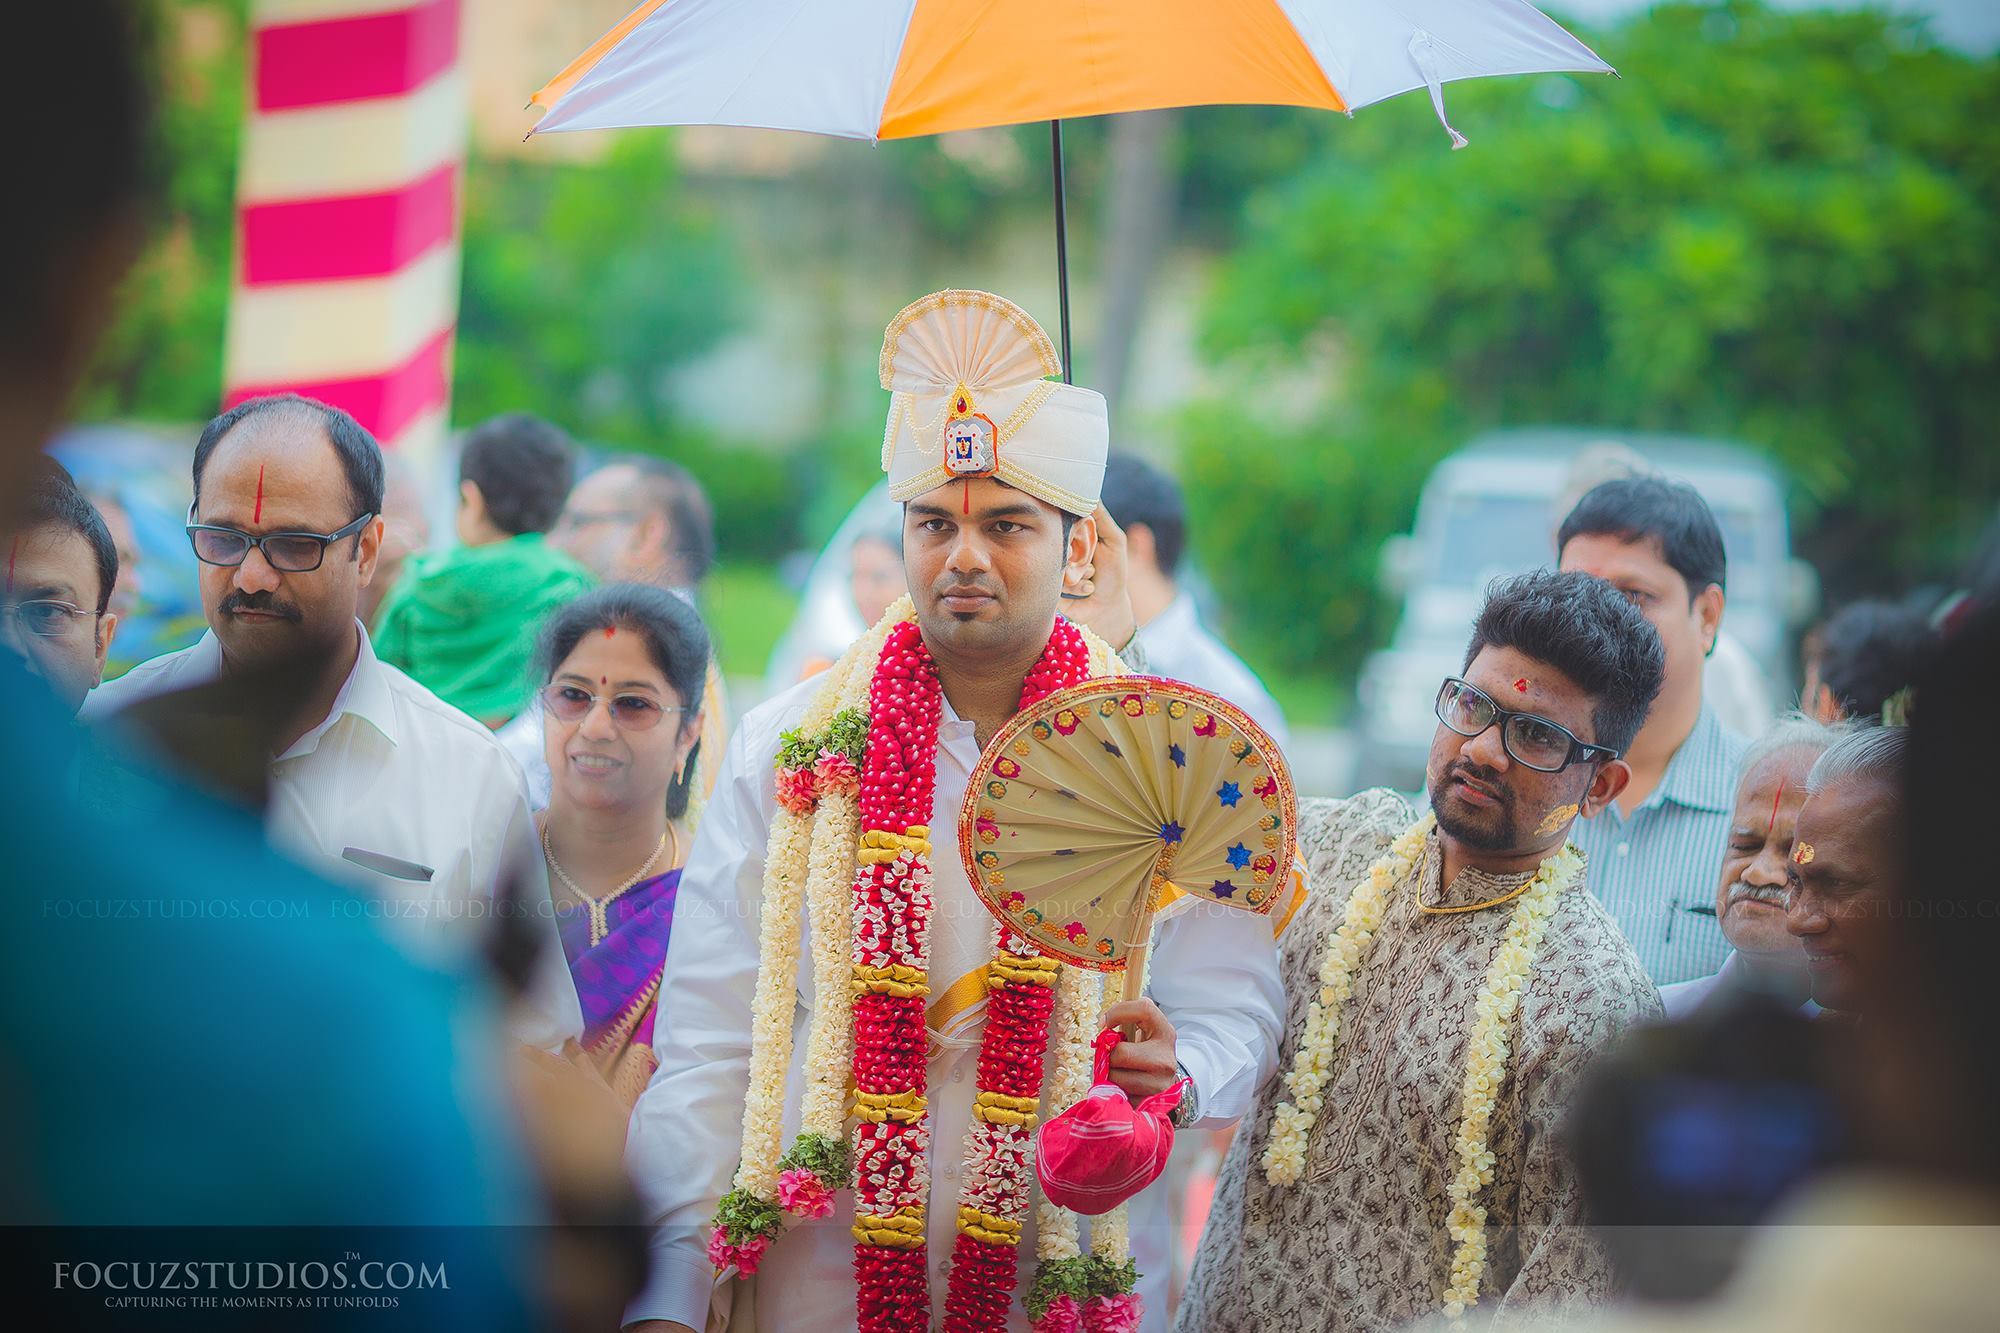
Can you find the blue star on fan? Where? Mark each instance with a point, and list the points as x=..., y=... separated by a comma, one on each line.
x=1239, y=856
x=1113, y=750
x=1229, y=794
x=1171, y=831
x=1178, y=755
x=1222, y=888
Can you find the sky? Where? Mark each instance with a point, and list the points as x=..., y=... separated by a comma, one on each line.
x=1972, y=25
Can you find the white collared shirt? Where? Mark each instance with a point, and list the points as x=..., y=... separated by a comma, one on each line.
x=1180, y=647
x=1213, y=971
x=401, y=779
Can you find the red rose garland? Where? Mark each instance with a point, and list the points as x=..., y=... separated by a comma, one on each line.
x=892, y=900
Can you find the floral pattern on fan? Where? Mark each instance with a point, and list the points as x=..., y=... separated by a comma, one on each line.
x=1106, y=801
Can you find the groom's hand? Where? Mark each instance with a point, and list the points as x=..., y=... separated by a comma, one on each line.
x=1143, y=1063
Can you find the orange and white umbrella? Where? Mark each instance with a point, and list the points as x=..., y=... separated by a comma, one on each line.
x=897, y=69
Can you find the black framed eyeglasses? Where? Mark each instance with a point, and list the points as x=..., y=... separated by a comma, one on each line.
x=47, y=618
x=287, y=552
x=1530, y=740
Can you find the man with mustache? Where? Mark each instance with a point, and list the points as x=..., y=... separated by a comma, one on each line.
x=1750, y=900
x=1448, y=981
x=375, y=780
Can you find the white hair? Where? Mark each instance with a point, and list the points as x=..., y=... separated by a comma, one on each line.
x=1882, y=753
x=1793, y=731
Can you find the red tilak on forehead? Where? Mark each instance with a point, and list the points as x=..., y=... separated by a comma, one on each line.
x=1774, y=808
x=610, y=631
x=1521, y=685
x=257, y=514
x=968, y=497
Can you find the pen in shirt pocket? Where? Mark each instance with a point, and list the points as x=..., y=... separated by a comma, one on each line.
x=381, y=864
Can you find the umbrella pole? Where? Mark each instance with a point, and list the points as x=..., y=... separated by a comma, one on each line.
x=1062, y=245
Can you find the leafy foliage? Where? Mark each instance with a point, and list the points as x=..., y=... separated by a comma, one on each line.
x=1778, y=228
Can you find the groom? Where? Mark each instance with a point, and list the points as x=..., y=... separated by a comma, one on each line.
x=989, y=552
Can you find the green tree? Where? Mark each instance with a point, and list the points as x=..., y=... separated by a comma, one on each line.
x=1782, y=228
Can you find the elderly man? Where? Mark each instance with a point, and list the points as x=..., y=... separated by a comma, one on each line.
x=1750, y=899
x=375, y=779
x=1846, y=864
x=61, y=569
x=1448, y=982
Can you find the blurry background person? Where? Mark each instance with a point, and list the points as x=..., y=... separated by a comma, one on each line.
x=1652, y=852
x=875, y=579
x=1903, y=1238
x=1862, y=657
x=622, y=670
x=406, y=530
x=376, y=780
x=1733, y=683
x=1750, y=900
x=646, y=520
x=639, y=519
x=283, y=1067
x=1847, y=860
x=1148, y=506
x=463, y=621
x=61, y=569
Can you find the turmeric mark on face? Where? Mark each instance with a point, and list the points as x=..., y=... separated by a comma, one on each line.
x=1556, y=818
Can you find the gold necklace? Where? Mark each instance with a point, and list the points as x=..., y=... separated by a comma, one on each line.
x=1416, y=885
x=600, y=925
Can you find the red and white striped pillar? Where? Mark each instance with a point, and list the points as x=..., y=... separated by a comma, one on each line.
x=348, y=211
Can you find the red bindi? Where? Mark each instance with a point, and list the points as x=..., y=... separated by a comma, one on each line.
x=1521, y=685
x=1774, y=808
x=257, y=514
x=604, y=680
x=610, y=631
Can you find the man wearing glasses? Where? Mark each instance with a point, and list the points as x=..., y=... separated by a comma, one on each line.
x=61, y=567
x=1446, y=984
x=375, y=780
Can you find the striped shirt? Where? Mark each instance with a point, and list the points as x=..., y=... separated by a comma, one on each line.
x=1655, y=870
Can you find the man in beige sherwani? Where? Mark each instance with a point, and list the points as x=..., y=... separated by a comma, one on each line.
x=1558, y=678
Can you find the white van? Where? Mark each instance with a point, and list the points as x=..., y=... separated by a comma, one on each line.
x=1492, y=509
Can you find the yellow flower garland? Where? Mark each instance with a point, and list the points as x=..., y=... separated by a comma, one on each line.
x=1292, y=1121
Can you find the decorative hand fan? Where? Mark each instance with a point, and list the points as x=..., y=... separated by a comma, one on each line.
x=1103, y=802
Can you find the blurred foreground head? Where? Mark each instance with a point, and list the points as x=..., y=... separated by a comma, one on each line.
x=79, y=178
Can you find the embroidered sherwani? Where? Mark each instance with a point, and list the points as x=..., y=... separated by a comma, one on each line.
x=1213, y=972
x=1361, y=1241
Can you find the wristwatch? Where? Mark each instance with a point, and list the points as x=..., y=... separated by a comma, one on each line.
x=1189, y=1110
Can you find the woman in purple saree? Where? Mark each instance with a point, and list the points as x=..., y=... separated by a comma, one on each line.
x=623, y=670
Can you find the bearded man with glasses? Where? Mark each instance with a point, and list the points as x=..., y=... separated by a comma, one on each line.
x=375, y=780
x=1446, y=984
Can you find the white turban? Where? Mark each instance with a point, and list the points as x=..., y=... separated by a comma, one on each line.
x=970, y=396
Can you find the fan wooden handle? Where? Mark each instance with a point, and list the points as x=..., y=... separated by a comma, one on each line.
x=1133, y=984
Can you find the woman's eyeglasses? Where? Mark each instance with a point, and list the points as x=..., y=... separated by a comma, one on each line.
x=629, y=712
x=287, y=552
x=1529, y=739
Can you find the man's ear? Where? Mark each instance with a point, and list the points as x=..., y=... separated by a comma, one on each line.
x=1141, y=552
x=1708, y=612
x=1605, y=785
x=1079, y=558
x=1825, y=707
x=471, y=500
x=368, y=547
x=107, y=629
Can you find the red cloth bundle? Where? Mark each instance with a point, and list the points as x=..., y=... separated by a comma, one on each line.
x=1102, y=1151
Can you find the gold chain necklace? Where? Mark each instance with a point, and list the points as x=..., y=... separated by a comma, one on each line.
x=1417, y=892
x=600, y=925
